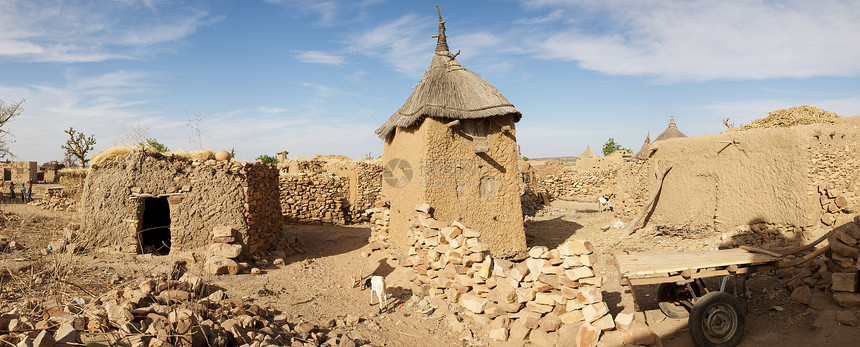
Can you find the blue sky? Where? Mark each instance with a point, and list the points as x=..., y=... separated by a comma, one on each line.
x=317, y=77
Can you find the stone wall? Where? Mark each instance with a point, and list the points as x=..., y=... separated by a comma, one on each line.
x=552, y=296
x=19, y=171
x=201, y=195
x=313, y=197
x=339, y=194
x=579, y=183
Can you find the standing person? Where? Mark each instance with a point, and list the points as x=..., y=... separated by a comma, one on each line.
x=11, y=192
x=30, y=191
x=23, y=193
x=2, y=198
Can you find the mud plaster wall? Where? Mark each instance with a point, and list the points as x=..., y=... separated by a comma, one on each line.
x=766, y=176
x=481, y=190
x=733, y=179
x=402, y=183
x=205, y=195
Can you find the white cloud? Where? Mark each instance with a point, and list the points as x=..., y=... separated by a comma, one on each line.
x=356, y=77
x=330, y=12
x=404, y=43
x=82, y=31
x=317, y=57
x=322, y=91
x=707, y=40
x=271, y=110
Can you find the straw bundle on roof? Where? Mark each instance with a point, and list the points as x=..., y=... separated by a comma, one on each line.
x=110, y=155
x=798, y=115
x=448, y=90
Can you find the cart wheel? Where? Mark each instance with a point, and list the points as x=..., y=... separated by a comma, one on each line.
x=717, y=320
x=670, y=297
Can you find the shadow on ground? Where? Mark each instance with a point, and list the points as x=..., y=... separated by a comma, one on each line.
x=551, y=232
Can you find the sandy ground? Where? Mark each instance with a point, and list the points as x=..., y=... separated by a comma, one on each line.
x=316, y=286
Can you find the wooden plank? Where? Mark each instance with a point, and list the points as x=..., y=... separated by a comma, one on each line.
x=641, y=264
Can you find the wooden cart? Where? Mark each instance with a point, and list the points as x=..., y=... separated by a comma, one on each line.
x=716, y=318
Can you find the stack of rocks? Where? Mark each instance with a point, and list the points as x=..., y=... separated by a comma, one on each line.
x=56, y=200
x=552, y=296
x=313, y=197
x=380, y=218
x=223, y=252
x=157, y=312
x=845, y=263
x=835, y=207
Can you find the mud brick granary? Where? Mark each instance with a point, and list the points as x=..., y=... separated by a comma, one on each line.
x=152, y=203
x=453, y=145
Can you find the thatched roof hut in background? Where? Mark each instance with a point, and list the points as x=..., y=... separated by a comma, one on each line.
x=588, y=153
x=448, y=91
x=671, y=132
x=646, y=147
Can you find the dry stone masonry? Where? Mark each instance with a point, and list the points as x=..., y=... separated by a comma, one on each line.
x=845, y=263
x=552, y=297
x=314, y=191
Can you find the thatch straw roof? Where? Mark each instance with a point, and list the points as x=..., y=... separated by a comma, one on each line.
x=646, y=147
x=587, y=154
x=111, y=155
x=671, y=132
x=449, y=91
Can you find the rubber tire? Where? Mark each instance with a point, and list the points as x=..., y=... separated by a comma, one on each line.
x=732, y=312
x=666, y=300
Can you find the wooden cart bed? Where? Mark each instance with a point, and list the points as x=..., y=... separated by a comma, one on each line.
x=642, y=268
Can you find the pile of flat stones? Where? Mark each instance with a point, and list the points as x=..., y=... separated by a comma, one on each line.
x=160, y=312
x=552, y=297
x=380, y=218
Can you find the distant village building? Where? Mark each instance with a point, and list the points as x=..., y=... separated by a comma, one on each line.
x=453, y=145
x=588, y=153
x=19, y=171
x=671, y=132
x=646, y=147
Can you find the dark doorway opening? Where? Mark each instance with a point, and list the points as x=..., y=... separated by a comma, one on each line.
x=155, y=235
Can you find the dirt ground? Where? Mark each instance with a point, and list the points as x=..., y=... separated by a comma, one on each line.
x=316, y=286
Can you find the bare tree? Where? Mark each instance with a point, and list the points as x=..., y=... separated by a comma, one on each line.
x=133, y=136
x=7, y=114
x=193, y=124
x=78, y=145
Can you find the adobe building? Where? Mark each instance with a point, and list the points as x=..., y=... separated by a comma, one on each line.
x=453, y=145
x=147, y=202
x=19, y=171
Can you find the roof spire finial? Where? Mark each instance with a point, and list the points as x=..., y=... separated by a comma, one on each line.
x=441, y=43
x=648, y=138
x=672, y=121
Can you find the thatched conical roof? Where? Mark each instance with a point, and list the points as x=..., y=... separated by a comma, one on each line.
x=588, y=153
x=646, y=147
x=450, y=91
x=671, y=132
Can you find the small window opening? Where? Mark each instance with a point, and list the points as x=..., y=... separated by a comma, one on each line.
x=155, y=235
x=474, y=129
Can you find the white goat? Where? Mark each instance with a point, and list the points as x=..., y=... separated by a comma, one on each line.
x=605, y=205
x=377, y=286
